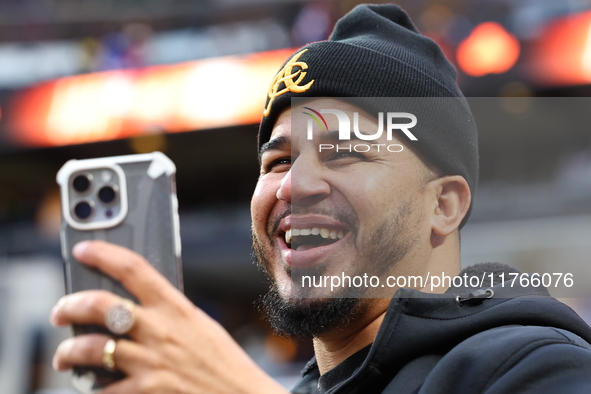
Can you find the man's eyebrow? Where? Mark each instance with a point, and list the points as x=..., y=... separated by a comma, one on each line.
x=275, y=144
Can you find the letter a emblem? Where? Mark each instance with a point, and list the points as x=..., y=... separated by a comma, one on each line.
x=290, y=79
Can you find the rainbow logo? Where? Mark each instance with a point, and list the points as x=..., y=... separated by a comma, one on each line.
x=321, y=125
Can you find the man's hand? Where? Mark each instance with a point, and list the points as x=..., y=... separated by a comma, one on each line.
x=174, y=347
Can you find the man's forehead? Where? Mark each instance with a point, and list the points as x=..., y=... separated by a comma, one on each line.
x=282, y=127
x=289, y=119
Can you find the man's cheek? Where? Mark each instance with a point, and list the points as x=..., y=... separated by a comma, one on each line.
x=263, y=200
x=259, y=213
x=258, y=221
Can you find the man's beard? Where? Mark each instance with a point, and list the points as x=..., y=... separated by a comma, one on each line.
x=299, y=317
x=306, y=318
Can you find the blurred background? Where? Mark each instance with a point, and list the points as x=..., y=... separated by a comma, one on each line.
x=88, y=78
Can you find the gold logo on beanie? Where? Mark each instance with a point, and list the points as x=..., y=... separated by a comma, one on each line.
x=287, y=76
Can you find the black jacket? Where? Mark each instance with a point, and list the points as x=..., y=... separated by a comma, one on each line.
x=518, y=341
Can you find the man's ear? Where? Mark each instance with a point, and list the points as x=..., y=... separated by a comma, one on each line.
x=453, y=198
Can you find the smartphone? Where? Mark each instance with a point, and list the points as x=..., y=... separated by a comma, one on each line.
x=126, y=200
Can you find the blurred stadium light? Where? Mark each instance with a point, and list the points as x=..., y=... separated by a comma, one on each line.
x=103, y=106
x=561, y=56
x=490, y=49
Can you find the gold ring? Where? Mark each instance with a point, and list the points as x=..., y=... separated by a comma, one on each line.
x=120, y=317
x=108, y=355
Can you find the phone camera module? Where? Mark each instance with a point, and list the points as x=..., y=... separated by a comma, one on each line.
x=83, y=210
x=107, y=194
x=81, y=183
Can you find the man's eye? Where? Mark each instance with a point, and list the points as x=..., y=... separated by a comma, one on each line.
x=277, y=164
x=346, y=154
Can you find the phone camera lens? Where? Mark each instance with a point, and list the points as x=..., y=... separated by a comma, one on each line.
x=107, y=194
x=83, y=210
x=81, y=183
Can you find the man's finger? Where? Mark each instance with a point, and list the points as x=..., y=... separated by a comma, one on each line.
x=155, y=381
x=132, y=270
x=84, y=307
x=88, y=350
x=124, y=386
x=91, y=307
x=146, y=383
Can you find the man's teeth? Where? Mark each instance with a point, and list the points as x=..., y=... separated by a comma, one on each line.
x=323, y=232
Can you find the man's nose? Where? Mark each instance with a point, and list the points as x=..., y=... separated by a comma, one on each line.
x=303, y=185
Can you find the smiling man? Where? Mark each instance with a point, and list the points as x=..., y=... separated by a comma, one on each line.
x=323, y=217
x=333, y=208
x=358, y=231
x=338, y=201
x=388, y=213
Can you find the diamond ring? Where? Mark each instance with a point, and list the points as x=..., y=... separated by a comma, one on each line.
x=120, y=317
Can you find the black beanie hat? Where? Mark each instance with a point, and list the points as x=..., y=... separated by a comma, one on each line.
x=376, y=51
